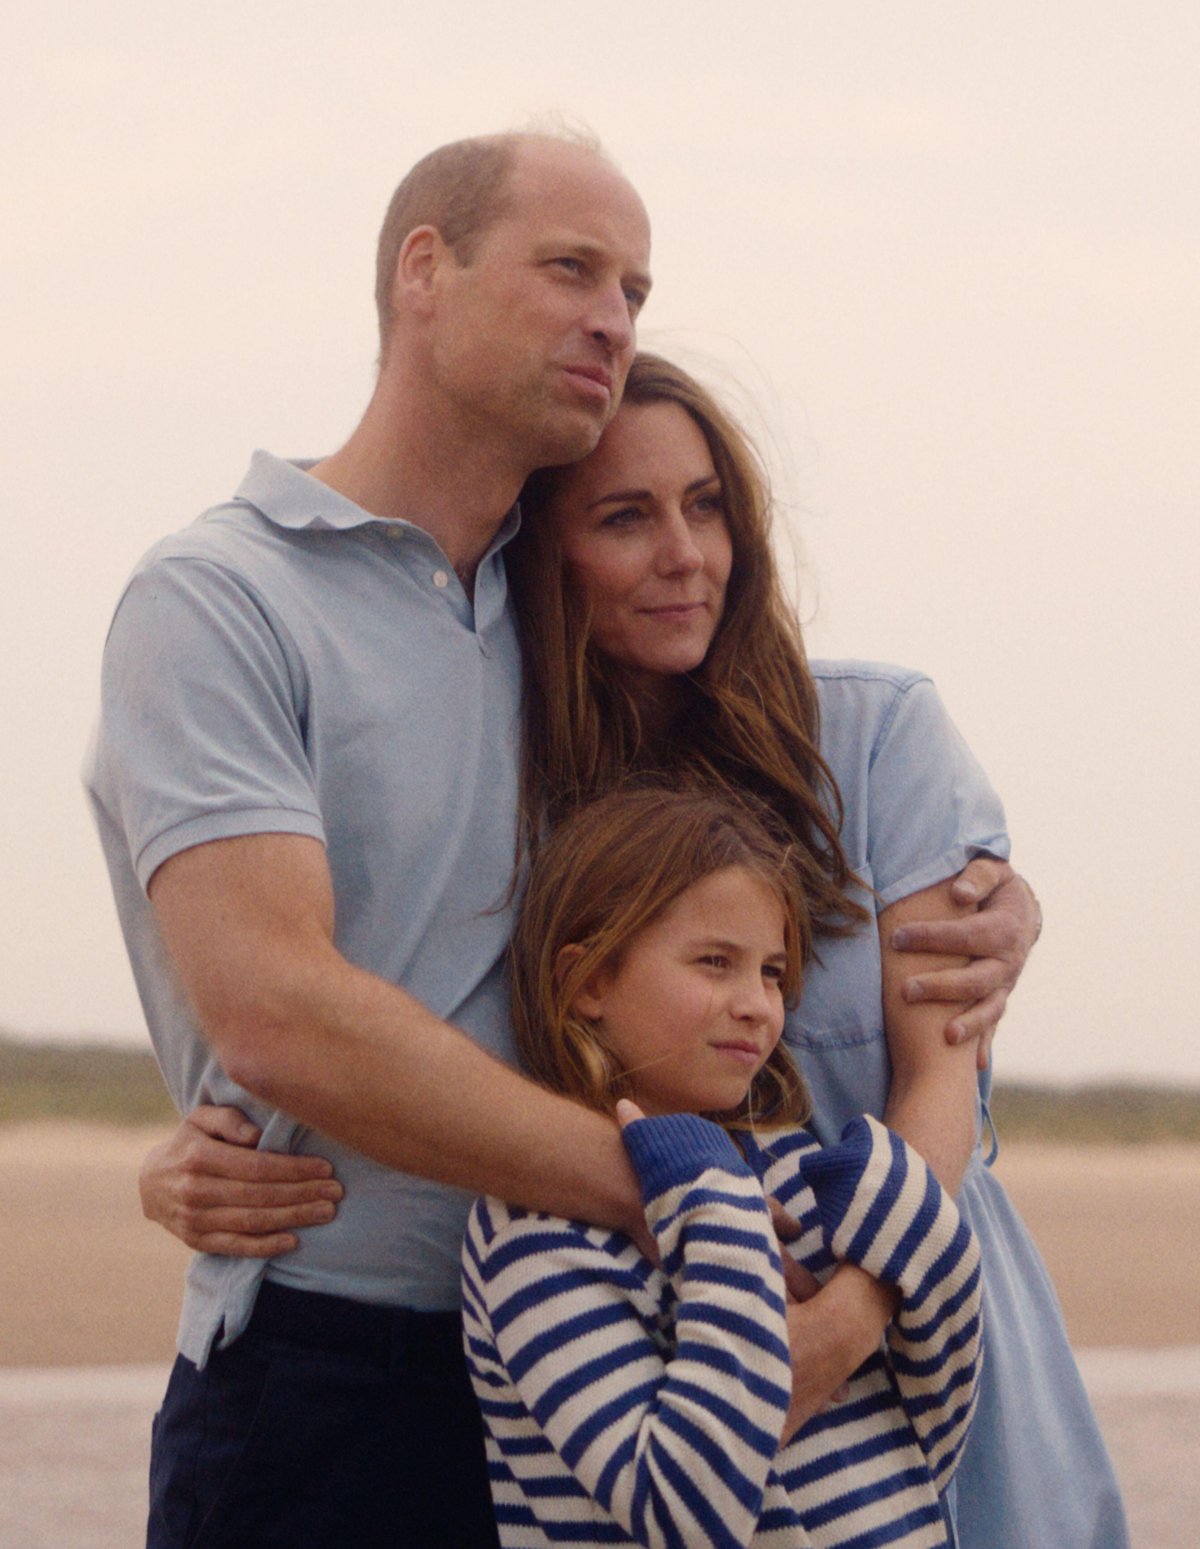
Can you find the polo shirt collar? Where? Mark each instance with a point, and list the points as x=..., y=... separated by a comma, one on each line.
x=285, y=494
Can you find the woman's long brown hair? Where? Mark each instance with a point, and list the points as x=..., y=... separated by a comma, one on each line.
x=749, y=722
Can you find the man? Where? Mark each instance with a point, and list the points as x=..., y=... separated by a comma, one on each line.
x=306, y=785
x=305, y=781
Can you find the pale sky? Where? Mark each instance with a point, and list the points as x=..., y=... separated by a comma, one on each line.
x=944, y=256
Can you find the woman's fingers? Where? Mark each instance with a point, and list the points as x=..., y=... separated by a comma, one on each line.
x=211, y=1190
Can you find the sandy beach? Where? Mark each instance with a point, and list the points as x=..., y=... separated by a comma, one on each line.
x=90, y=1294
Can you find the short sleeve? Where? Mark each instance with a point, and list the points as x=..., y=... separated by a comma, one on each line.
x=202, y=703
x=931, y=807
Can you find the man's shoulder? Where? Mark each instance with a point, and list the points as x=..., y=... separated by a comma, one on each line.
x=230, y=533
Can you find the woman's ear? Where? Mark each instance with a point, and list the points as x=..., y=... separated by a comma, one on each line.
x=588, y=999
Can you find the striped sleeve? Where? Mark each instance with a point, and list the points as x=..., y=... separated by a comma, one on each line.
x=882, y=1209
x=675, y=1444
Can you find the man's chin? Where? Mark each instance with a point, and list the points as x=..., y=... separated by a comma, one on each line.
x=570, y=441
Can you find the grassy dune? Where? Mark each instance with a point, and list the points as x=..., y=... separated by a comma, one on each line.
x=123, y=1086
x=80, y=1081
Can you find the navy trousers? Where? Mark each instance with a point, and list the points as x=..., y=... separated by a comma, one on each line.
x=327, y=1425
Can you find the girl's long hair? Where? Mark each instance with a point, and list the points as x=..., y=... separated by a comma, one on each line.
x=599, y=880
x=750, y=719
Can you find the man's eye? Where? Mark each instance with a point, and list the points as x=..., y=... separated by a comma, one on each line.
x=571, y=265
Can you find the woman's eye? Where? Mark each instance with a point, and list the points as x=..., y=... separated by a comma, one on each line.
x=625, y=517
x=709, y=505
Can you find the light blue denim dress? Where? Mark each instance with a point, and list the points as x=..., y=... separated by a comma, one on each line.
x=1035, y=1472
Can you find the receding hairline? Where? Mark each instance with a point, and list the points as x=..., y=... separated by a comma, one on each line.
x=461, y=189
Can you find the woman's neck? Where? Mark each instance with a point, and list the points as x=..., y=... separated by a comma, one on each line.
x=660, y=702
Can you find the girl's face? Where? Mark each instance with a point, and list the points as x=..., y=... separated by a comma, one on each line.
x=645, y=541
x=695, y=1006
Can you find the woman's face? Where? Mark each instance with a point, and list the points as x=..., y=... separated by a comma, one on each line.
x=644, y=538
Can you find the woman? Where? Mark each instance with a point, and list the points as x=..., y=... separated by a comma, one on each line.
x=656, y=638
x=659, y=936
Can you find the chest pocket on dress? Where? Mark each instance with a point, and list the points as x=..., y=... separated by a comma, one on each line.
x=837, y=1033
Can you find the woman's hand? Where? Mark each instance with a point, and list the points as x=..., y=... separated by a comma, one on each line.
x=997, y=938
x=210, y=1188
x=830, y=1335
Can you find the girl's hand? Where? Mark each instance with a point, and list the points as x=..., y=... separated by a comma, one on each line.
x=628, y=1112
x=209, y=1187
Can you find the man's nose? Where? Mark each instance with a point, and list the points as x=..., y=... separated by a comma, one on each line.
x=611, y=321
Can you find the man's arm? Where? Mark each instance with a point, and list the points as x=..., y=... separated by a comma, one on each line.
x=248, y=923
x=997, y=935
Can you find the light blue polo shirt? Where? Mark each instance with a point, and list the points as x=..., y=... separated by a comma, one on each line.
x=291, y=664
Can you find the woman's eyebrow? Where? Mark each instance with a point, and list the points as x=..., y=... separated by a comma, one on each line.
x=645, y=494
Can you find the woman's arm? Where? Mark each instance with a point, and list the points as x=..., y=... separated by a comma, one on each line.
x=676, y=1446
x=210, y=1187
x=931, y=1101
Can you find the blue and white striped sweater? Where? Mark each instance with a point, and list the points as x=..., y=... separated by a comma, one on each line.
x=630, y=1404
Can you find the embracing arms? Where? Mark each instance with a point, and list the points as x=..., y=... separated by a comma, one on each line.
x=208, y=1186
x=248, y=923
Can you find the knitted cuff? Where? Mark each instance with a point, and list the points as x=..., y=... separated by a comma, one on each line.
x=676, y=1148
x=878, y=1201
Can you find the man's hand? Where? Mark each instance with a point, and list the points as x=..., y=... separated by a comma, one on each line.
x=210, y=1188
x=997, y=938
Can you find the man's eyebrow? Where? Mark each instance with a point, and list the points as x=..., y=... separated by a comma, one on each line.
x=618, y=495
x=584, y=247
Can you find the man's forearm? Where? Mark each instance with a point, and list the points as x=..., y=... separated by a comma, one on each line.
x=364, y=1062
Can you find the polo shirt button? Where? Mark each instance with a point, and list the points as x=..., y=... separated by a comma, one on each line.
x=440, y=579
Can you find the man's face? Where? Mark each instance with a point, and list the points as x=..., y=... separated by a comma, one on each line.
x=532, y=339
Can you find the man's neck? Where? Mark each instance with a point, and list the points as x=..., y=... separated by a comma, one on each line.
x=409, y=465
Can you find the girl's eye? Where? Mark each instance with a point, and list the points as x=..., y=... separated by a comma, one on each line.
x=715, y=960
x=773, y=973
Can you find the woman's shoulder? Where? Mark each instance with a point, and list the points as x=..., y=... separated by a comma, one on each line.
x=861, y=701
x=848, y=678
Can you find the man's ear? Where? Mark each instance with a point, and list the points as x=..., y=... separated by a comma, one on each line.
x=588, y=1000
x=421, y=255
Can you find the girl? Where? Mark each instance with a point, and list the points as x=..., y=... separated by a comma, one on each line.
x=630, y=1402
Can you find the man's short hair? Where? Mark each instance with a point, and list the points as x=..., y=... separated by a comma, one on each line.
x=460, y=189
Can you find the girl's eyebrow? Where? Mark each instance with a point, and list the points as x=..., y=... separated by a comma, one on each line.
x=644, y=494
x=723, y=944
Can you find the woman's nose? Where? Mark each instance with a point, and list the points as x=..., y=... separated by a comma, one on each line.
x=678, y=549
